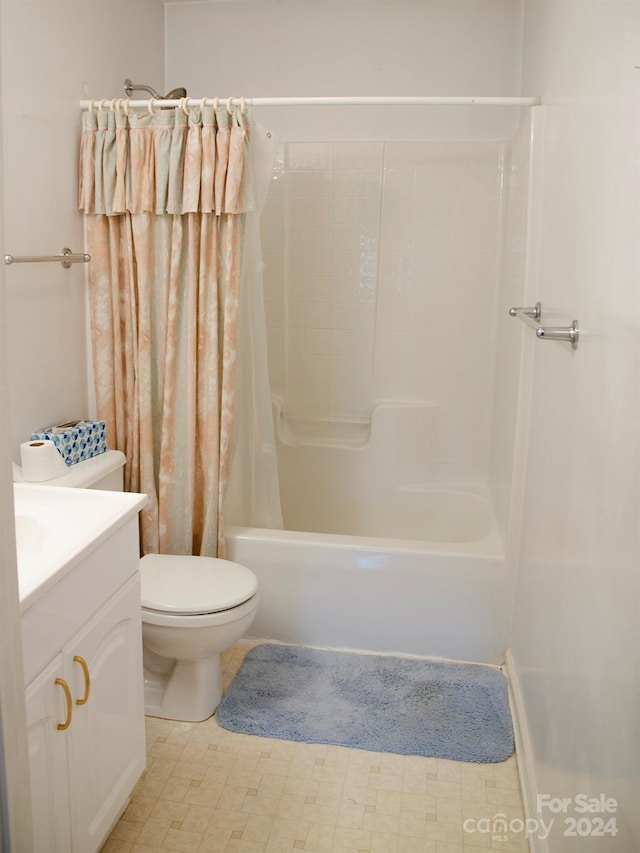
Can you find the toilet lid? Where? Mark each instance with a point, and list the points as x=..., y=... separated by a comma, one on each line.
x=190, y=585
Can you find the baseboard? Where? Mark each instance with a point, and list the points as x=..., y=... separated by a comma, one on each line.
x=524, y=752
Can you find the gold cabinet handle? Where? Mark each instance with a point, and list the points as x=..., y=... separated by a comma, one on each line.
x=87, y=680
x=67, y=696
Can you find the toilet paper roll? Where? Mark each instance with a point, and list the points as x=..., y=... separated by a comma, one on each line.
x=41, y=461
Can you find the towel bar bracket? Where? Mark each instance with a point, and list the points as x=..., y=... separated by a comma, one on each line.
x=560, y=333
x=535, y=312
x=531, y=316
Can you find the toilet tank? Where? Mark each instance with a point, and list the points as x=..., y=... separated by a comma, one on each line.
x=104, y=471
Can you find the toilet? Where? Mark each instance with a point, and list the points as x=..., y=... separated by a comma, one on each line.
x=193, y=608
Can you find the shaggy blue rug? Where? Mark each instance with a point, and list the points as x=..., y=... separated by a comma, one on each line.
x=375, y=702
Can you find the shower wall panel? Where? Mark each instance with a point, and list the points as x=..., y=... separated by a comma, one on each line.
x=508, y=368
x=435, y=331
x=320, y=242
x=381, y=278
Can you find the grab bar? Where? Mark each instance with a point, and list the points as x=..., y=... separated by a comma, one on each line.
x=531, y=317
x=66, y=258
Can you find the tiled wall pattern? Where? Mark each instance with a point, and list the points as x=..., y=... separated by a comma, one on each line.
x=321, y=231
x=381, y=284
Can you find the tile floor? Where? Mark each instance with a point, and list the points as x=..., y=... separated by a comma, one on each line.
x=212, y=791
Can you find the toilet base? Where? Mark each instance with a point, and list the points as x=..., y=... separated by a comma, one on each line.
x=188, y=691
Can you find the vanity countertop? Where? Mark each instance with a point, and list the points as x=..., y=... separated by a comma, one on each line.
x=57, y=527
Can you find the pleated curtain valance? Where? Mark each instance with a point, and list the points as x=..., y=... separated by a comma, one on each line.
x=165, y=162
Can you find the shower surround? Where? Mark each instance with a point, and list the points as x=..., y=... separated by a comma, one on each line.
x=388, y=268
x=381, y=284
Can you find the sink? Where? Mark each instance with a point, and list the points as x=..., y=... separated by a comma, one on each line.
x=31, y=535
x=56, y=527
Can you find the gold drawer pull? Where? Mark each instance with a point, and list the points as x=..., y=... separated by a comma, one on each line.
x=87, y=680
x=67, y=696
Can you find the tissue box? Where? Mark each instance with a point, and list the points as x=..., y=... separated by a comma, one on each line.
x=76, y=440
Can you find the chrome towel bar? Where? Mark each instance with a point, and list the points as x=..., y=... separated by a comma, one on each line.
x=531, y=317
x=66, y=258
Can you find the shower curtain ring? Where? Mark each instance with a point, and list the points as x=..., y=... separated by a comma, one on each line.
x=101, y=104
x=242, y=104
x=184, y=107
x=230, y=106
x=112, y=105
x=150, y=106
x=90, y=107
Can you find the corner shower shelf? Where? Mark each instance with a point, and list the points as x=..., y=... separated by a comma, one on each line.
x=319, y=431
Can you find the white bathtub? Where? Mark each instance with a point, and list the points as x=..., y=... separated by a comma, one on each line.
x=443, y=595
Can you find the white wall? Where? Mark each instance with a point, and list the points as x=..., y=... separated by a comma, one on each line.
x=15, y=805
x=54, y=54
x=577, y=606
x=14, y=777
x=268, y=48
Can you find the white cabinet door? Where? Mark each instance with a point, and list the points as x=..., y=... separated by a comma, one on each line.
x=48, y=707
x=107, y=750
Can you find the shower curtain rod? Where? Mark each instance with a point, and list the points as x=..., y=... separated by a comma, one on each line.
x=383, y=100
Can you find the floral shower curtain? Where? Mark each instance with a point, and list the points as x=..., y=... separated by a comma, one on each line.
x=165, y=197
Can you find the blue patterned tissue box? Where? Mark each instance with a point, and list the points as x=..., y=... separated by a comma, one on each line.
x=76, y=440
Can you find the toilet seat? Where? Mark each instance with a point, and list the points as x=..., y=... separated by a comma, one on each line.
x=190, y=586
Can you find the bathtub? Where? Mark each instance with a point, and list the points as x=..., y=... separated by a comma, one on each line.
x=441, y=594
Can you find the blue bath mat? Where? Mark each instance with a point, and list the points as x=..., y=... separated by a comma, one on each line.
x=374, y=702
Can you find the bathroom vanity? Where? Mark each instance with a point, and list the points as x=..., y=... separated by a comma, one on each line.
x=78, y=574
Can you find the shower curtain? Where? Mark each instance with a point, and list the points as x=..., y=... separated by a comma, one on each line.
x=165, y=198
x=253, y=496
